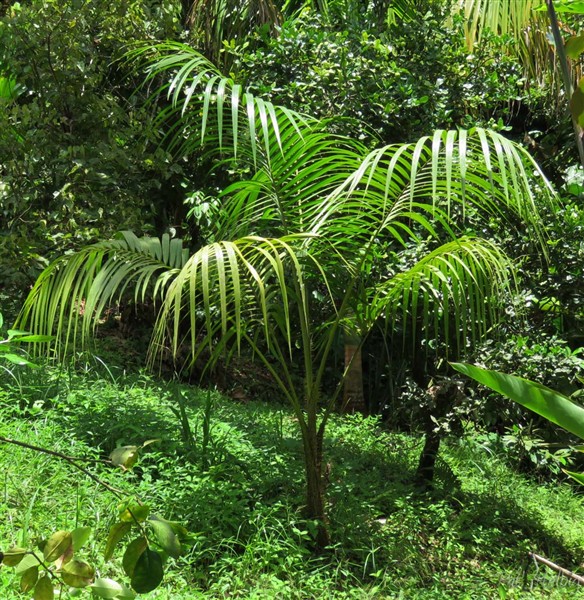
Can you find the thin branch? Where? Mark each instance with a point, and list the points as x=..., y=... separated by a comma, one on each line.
x=548, y=563
x=71, y=460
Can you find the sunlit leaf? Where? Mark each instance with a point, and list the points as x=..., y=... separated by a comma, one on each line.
x=26, y=563
x=77, y=574
x=132, y=512
x=552, y=405
x=579, y=477
x=106, y=588
x=57, y=545
x=80, y=536
x=125, y=456
x=575, y=46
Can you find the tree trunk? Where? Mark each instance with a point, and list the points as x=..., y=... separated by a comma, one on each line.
x=427, y=462
x=353, y=396
x=315, y=483
x=443, y=396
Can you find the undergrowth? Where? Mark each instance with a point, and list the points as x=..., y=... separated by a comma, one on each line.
x=232, y=473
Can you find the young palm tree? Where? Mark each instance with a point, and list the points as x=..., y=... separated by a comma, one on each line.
x=295, y=243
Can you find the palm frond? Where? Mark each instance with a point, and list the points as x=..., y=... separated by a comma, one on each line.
x=285, y=195
x=437, y=177
x=457, y=290
x=70, y=296
x=230, y=287
x=207, y=109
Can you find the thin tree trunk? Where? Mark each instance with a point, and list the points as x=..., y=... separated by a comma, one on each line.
x=353, y=396
x=427, y=462
x=315, y=483
x=443, y=396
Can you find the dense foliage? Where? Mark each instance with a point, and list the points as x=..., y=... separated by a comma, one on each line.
x=320, y=202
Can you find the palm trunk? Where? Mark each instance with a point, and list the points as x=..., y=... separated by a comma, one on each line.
x=315, y=484
x=353, y=396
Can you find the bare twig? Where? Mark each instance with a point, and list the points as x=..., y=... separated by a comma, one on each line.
x=72, y=460
x=548, y=563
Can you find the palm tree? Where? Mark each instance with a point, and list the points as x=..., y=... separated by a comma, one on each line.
x=291, y=264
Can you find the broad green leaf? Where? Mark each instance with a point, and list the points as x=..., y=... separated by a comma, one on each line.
x=23, y=336
x=579, y=477
x=16, y=359
x=9, y=90
x=44, y=590
x=134, y=550
x=552, y=405
x=564, y=6
x=165, y=536
x=575, y=46
x=77, y=574
x=106, y=588
x=132, y=512
x=26, y=563
x=125, y=456
x=29, y=579
x=57, y=545
x=148, y=572
x=116, y=533
x=79, y=536
x=12, y=333
x=13, y=556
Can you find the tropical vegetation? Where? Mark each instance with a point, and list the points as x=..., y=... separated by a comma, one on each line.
x=317, y=204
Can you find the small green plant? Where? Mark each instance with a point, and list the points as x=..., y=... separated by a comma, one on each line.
x=54, y=564
x=10, y=346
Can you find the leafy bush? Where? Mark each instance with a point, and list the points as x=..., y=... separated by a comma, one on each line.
x=74, y=162
x=392, y=83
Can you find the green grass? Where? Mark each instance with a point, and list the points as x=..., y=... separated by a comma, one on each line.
x=232, y=473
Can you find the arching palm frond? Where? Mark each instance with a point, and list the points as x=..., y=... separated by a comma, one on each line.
x=209, y=109
x=437, y=177
x=234, y=290
x=457, y=291
x=286, y=194
x=70, y=296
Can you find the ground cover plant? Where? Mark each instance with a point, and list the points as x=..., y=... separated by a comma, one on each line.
x=240, y=494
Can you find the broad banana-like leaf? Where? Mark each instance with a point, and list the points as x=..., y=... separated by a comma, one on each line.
x=552, y=405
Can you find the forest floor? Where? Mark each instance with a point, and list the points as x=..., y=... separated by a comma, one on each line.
x=231, y=472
